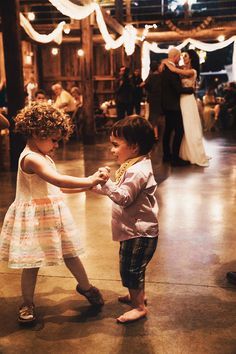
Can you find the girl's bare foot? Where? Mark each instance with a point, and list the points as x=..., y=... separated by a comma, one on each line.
x=126, y=299
x=132, y=315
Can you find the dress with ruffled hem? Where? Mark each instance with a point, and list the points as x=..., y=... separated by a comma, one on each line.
x=39, y=231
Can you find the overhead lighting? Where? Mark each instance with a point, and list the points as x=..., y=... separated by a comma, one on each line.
x=221, y=38
x=66, y=29
x=55, y=51
x=80, y=52
x=31, y=16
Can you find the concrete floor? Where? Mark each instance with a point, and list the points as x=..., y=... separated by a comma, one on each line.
x=192, y=309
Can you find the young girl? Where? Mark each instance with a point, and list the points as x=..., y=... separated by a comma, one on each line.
x=134, y=209
x=38, y=229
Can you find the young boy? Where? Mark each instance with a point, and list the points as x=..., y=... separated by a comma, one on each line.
x=134, y=209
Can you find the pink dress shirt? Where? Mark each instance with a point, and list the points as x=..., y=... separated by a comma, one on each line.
x=134, y=207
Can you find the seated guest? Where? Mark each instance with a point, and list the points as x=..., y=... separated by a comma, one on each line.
x=78, y=97
x=210, y=112
x=64, y=100
x=40, y=96
x=77, y=116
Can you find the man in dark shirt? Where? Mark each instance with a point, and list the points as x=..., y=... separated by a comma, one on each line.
x=171, y=91
x=124, y=94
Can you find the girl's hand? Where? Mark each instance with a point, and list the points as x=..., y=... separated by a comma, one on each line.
x=104, y=173
x=99, y=177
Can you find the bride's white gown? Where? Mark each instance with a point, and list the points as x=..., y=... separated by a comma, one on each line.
x=192, y=148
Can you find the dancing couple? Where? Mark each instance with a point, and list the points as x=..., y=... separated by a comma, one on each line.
x=181, y=111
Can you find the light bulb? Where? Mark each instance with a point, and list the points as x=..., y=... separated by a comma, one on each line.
x=221, y=38
x=31, y=16
x=80, y=52
x=54, y=51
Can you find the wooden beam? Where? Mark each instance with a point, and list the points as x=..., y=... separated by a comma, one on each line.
x=87, y=82
x=205, y=35
x=119, y=10
x=14, y=72
x=112, y=23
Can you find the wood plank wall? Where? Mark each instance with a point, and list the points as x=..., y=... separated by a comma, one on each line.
x=66, y=67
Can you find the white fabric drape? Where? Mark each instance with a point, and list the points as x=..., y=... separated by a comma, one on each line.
x=2, y=65
x=72, y=10
x=77, y=12
x=55, y=35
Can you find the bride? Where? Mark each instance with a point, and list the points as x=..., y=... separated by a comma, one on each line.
x=192, y=148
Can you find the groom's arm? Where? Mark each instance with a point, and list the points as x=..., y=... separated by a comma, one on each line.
x=177, y=86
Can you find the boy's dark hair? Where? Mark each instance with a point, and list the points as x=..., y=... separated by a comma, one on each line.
x=135, y=130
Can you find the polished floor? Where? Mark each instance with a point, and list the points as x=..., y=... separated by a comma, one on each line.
x=192, y=308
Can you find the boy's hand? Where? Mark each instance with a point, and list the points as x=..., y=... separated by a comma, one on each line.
x=96, y=178
x=104, y=173
x=100, y=176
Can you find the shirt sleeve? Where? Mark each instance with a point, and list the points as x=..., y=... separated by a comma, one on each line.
x=64, y=98
x=128, y=191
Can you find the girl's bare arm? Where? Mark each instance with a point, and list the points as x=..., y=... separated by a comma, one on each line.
x=34, y=163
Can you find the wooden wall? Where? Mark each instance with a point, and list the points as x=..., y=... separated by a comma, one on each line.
x=66, y=68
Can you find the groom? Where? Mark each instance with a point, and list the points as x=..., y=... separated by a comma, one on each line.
x=171, y=91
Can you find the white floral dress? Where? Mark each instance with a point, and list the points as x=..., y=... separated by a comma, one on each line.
x=38, y=229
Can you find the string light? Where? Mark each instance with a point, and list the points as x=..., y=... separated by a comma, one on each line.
x=55, y=51
x=221, y=38
x=80, y=52
x=146, y=30
x=66, y=29
x=31, y=16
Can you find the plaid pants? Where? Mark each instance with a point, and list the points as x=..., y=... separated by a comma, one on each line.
x=135, y=254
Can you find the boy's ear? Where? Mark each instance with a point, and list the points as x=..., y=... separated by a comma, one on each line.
x=135, y=148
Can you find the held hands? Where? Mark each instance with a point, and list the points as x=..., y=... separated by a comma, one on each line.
x=100, y=176
x=104, y=173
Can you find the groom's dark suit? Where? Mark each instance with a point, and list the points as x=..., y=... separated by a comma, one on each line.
x=171, y=91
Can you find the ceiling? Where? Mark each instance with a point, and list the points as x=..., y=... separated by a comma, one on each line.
x=142, y=12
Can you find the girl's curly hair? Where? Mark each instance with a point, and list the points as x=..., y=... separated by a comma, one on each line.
x=43, y=120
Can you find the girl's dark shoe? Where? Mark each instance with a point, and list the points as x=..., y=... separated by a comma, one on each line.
x=93, y=295
x=27, y=314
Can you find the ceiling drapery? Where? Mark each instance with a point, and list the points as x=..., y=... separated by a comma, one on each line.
x=128, y=38
x=54, y=36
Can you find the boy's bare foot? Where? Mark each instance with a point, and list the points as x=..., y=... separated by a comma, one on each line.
x=126, y=299
x=132, y=315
